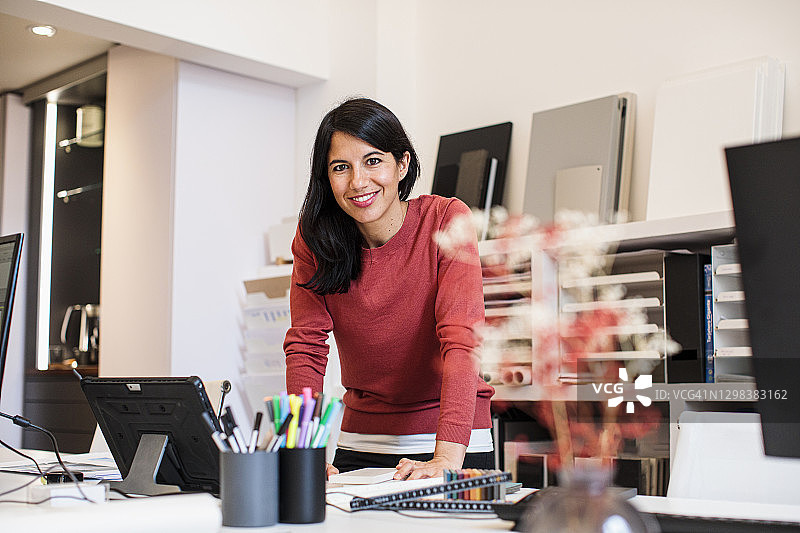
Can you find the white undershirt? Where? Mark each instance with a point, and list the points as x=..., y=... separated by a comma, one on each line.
x=480, y=440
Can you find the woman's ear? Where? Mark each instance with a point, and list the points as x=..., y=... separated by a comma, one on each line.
x=402, y=164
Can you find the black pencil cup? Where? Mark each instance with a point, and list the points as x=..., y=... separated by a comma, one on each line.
x=249, y=489
x=302, y=485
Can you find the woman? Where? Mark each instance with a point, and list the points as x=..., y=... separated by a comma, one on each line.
x=367, y=267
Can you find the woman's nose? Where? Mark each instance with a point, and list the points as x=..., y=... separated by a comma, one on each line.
x=358, y=179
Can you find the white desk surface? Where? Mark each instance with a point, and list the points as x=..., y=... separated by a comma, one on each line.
x=200, y=513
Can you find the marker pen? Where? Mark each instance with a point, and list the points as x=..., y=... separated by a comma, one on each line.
x=256, y=431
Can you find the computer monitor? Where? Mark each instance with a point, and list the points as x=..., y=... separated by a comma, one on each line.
x=10, y=252
x=765, y=189
x=154, y=427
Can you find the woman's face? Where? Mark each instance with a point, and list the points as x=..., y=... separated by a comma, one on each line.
x=364, y=181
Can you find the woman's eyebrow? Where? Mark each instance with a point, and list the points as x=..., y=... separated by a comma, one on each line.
x=374, y=152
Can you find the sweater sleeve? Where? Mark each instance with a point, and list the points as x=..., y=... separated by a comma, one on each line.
x=459, y=309
x=305, y=345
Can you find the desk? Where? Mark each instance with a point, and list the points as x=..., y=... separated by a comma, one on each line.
x=200, y=513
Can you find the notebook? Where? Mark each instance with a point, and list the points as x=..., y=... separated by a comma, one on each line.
x=363, y=476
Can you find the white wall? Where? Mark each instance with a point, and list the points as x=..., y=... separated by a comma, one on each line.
x=233, y=180
x=352, y=73
x=138, y=200
x=482, y=63
x=196, y=172
x=284, y=42
x=374, y=53
x=14, y=168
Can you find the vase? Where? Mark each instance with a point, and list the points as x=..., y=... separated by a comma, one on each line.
x=585, y=502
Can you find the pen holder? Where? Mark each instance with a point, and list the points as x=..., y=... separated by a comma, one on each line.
x=249, y=489
x=302, y=485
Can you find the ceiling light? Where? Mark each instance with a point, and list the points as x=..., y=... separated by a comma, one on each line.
x=44, y=31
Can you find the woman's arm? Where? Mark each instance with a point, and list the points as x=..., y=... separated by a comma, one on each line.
x=305, y=344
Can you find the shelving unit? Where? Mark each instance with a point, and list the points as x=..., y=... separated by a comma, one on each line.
x=642, y=273
x=266, y=319
x=732, y=351
x=640, y=277
x=507, y=292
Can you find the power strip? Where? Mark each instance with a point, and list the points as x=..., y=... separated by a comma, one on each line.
x=67, y=494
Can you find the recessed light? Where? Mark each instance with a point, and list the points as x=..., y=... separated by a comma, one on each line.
x=44, y=31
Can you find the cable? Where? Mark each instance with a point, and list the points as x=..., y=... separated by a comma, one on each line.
x=25, y=485
x=27, y=424
x=16, y=451
x=225, y=388
x=56, y=497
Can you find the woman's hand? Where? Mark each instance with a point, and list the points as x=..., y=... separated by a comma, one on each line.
x=330, y=470
x=446, y=455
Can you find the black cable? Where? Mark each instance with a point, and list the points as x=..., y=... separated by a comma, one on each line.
x=225, y=388
x=55, y=497
x=27, y=424
x=16, y=451
x=25, y=485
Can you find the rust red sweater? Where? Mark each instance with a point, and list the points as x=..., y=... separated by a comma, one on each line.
x=404, y=332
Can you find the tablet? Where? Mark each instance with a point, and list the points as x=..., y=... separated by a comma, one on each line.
x=127, y=408
x=363, y=476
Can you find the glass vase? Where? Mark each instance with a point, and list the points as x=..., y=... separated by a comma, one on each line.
x=585, y=502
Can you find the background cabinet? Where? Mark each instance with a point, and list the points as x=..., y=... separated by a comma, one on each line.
x=643, y=248
x=732, y=351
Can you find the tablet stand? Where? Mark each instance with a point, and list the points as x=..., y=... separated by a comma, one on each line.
x=141, y=478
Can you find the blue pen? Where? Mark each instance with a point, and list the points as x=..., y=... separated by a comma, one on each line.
x=285, y=408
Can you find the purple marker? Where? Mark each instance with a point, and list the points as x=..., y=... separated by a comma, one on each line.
x=308, y=409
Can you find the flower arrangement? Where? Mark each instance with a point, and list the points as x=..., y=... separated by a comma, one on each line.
x=532, y=271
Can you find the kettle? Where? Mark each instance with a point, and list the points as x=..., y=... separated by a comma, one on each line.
x=87, y=346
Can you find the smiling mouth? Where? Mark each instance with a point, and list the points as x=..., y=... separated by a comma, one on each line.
x=364, y=198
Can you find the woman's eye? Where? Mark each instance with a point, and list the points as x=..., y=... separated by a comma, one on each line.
x=339, y=168
x=373, y=161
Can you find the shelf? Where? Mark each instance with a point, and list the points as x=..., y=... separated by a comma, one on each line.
x=627, y=303
x=700, y=392
x=730, y=296
x=734, y=351
x=627, y=355
x=510, y=278
x=519, y=310
x=634, y=329
x=521, y=287
x=667, y=234
x=730, y=269
x=677, y=232
x=732, y=324
x=614, y=331
x=614, y=279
